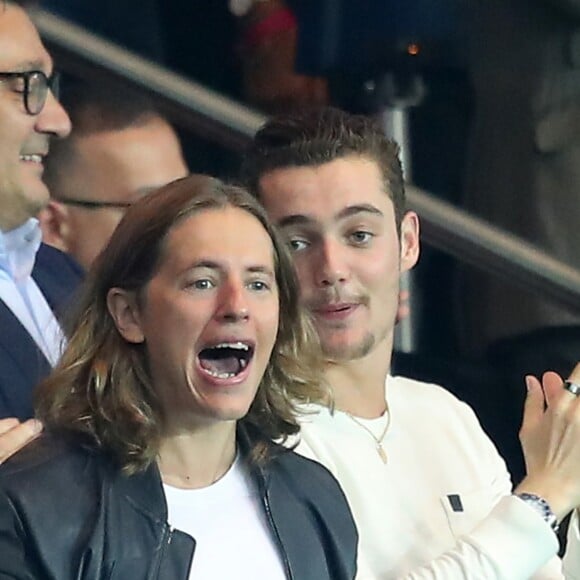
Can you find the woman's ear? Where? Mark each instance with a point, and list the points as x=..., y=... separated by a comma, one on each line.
x=122, y=306
x=409, y=240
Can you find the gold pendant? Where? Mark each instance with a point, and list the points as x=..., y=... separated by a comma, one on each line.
x=382, y=453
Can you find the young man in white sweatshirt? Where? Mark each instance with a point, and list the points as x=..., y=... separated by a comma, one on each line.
x=431, y=496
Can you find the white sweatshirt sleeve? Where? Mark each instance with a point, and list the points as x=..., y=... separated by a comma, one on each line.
x=572, y=556
x=512, y=543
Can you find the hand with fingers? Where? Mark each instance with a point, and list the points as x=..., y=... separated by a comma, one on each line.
x=15, y=434
x=550, y=437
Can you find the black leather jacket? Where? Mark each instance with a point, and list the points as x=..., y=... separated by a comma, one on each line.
x=67, y=513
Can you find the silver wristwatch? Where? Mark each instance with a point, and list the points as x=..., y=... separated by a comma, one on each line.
x=542, y=507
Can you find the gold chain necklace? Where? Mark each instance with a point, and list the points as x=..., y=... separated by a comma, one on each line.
x=378, y=440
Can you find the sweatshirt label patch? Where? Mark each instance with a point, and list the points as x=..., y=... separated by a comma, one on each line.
x=455, y=502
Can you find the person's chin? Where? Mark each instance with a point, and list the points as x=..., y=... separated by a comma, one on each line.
x=227, y=412
x=36, y=192
x=346, y=347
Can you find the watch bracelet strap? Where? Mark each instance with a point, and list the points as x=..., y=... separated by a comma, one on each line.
x=542, y=507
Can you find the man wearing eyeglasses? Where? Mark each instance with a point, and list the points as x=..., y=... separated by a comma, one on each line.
x=120, y=149
x=34, y=279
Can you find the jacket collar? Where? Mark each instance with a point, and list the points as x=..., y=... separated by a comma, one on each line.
x=144, y=490
x=56, y=289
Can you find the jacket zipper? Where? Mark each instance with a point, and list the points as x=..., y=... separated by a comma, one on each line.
x=285, y=560
x=166, y=540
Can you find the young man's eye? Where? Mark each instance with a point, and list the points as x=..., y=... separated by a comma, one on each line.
x=297, y=244
x=361, y=237
x=202, y=284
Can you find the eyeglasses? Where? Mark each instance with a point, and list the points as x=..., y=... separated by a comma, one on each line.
x=94, y=204
x=34, y=88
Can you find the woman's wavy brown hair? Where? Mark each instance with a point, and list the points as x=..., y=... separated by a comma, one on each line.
x=102, y=388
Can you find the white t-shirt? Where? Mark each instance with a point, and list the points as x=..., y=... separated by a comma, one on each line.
x=228, y=523
x=441, y=506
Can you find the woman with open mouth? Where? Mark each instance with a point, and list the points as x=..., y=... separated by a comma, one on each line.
x=185, y=361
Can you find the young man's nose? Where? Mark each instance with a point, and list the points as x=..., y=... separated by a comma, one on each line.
x=331, y=266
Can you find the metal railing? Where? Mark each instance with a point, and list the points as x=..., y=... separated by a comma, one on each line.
x=232, y=125
x=205, y=112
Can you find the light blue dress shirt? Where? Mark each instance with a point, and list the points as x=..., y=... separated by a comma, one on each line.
x=20, y=292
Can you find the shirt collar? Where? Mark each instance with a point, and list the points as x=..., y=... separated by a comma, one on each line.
x=18, y=249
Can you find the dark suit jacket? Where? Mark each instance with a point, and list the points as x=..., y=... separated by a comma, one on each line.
x=22, y=364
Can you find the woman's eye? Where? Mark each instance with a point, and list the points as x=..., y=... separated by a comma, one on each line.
x=259, y=285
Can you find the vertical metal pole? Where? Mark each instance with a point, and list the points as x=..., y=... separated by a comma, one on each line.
x=395, y=122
